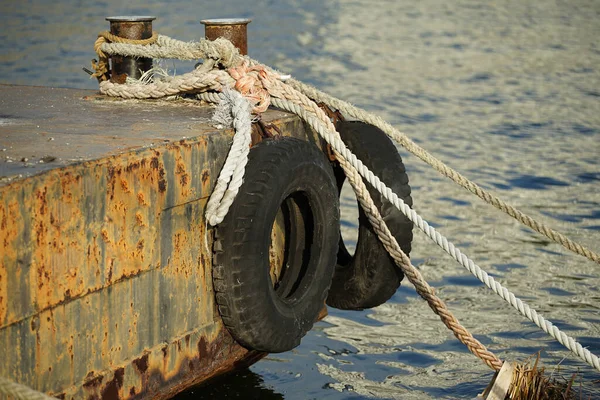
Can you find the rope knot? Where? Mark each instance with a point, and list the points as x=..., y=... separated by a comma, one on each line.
x=253, y=83
x=222, y=51
x=101, y=66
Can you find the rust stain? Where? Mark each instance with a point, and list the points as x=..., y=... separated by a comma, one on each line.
x=162, y=183
x=125, y=186
x=141, y=364
x=109, y=274
x=182, y=166
x=71, y=355
x=139, y=219
x=141, y=199
x=184, y=179
x=104, y=234
x=68, y=189
x=202, y=348
x=205, y=181
x=92, y=382
x=205, y=176
x=113, y=387
x=133, y=333
x=183, y=176
x=150, y=375
x=111, y=172
x=135, y=165
x=184, y=143
x=180, y=262
x=9, y=225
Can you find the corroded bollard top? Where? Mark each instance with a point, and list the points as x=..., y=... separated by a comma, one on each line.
x=130, y=27
x=233, y=29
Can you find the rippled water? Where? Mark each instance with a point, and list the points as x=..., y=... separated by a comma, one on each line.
x=508, y=93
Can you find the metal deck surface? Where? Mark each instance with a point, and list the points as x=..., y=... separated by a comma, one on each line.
x=43, y=128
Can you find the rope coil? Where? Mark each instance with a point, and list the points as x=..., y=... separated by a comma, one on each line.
x=262, y=85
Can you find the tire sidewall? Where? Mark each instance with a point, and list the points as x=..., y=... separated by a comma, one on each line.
x=280, y=324
x=370, y=277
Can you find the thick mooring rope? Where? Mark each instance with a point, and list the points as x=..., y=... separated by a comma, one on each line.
x=21, y=392
x=321, y=123
x=385, y=236
x=443, y=242
x=220, y=50
x=401, y=138
x=101, y=66
x=302, y=102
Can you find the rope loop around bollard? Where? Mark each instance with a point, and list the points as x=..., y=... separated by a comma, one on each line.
x=101, y=66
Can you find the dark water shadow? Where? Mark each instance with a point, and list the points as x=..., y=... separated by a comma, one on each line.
x=531, y=182
x=243, y=384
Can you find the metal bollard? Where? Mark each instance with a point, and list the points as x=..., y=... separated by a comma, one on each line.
x=233, y=29
x=130, y=27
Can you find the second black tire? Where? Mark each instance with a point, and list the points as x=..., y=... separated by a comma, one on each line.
x=289, y=179
x=370, y=277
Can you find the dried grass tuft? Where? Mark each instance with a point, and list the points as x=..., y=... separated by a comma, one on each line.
x=529, y=382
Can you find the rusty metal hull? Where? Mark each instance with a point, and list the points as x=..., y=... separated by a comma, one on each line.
x=105, y=260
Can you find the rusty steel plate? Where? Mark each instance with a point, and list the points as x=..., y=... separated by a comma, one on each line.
x=105, y=256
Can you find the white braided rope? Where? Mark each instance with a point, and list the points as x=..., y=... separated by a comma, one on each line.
x=439, y=239
x=232, y=174
x=20, y=392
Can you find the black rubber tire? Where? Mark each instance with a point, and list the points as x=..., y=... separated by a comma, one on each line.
x=295, y=175
x=370, y=277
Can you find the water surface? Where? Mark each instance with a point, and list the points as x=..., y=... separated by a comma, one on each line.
x=508, y=93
